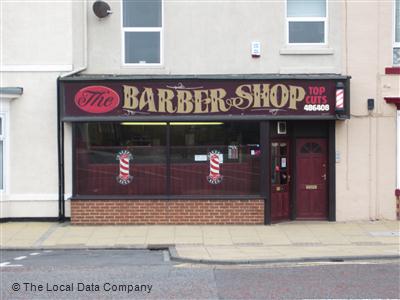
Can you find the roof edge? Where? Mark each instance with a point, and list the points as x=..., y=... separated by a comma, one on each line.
x=112, y=77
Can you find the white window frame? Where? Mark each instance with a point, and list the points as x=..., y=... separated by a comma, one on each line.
x=142, y=29
x=395, y=44
x=307, y=19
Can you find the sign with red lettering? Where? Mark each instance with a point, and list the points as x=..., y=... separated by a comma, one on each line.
x=96, y=99
x=172, y=99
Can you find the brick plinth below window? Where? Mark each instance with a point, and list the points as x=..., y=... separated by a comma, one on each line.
x=398, y=203
x=96, y=212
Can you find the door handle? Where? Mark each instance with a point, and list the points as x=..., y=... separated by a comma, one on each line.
x=324, y=177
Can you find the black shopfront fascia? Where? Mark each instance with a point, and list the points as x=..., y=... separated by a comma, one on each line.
x=265, y=129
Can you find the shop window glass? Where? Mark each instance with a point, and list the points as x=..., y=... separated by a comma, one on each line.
x=97, y=166
x=237, y=145
x=306, y=21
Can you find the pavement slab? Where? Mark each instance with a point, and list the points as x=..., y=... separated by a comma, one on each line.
x=188, y=239
x=392, y=225
x=22, y=234
x=185, y=230
x=101, y=242
x=218, y=241
x=229, y=243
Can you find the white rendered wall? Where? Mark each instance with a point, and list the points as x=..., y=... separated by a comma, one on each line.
x=36, y=47
x=366, y=143
x=398, y=150
x=214, y=37
x=210, y=37
x=36, y=33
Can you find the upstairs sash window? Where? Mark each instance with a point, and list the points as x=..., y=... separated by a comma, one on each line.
x=306, y=21
x=396, y=44
x=142, y=29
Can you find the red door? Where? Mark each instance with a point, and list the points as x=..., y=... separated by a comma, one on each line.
x=280, y=180
x=311, y=179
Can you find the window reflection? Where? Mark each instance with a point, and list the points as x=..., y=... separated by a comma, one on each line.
x=97, y=146
x=238, y=145
x=279, y=163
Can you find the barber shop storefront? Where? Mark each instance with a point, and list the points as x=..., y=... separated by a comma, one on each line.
x=201, y=149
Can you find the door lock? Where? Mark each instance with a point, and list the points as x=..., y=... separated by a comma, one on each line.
x=324, y=177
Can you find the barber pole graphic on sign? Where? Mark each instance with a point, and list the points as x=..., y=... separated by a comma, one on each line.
x=124, y=157
x=340, y=99
x=214, y=177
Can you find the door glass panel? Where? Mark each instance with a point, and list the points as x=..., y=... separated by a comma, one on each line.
x=305, y=149
x=283, y=167
x=275, y=163
x=279, y=163
x=283, y=149
x=311, y=148
x=316, y=148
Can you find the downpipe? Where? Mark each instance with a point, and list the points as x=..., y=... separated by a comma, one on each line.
x=60, y=122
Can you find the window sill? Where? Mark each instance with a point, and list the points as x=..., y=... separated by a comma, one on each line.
x=296, y=50
x=143, y=66
x=162, y=197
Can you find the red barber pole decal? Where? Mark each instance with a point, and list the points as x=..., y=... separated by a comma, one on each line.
x=339, y=99
x=124, y=157
x=214, y=177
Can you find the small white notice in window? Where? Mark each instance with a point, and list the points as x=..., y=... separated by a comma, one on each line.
x=283, y=162
x=201, y=157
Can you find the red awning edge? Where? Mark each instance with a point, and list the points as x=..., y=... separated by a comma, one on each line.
x=392, y=70
x=394, y=100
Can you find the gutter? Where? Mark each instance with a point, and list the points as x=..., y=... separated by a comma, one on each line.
x=11, y=92
x=60, y=124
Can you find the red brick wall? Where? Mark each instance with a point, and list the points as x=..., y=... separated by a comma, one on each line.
x=397, y=194
x=167, y=212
